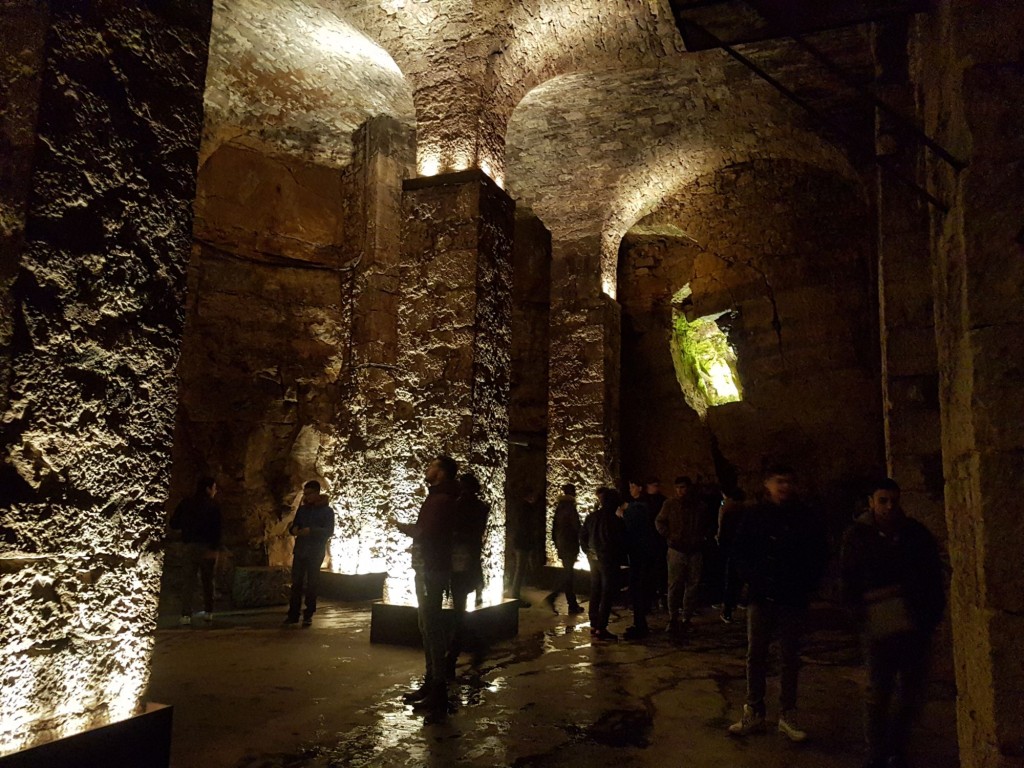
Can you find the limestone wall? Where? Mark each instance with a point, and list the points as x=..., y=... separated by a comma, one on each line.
x=265, y=357
x=95, y=306
x=786, y=248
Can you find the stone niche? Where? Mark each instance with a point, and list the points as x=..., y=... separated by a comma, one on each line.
x=783, y=249
x=266, y=340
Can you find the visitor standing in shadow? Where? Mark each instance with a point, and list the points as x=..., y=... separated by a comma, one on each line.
x=602, y=537
x=312, y=528
x=730, y=512
x=655, y=499
x=198, y=519
x=681, y=524
x=527, y=523
x=780, y=552
x=644, y=547
x=892, y=577
x=565, y=535
x=467, y=572
x=432, y=563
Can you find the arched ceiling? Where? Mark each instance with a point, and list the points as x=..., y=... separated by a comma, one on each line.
x=295, y=78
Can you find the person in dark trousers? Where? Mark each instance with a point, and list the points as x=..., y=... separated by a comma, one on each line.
x=780, y=552
x=644, y=547
x=565, y=535
x=655, y=499
x=730, y=511
x=892, y=578
x=198, y=519
x=312, y=528
x=527, y=523
x=681, y=524
x=602, y=537
x=468, y=530
x=432, y=562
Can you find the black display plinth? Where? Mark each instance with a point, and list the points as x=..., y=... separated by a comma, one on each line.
x=397, y=624
x=142, y=741
x=352, y=587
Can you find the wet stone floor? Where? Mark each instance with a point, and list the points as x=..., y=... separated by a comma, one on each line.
x=248, y=693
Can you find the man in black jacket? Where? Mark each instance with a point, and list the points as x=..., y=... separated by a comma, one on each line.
x=198, y=519
x=312, y=528
x=565, y=535
x=892, y=577
x=780, y=552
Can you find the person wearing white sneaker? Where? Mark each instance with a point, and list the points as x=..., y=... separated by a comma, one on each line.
x=198, y=519
x=780, y=552
x=751, y=722
x=789, y=728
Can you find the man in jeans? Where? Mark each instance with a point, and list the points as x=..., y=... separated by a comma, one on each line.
x=198, y=519
x=780, y=553
x=892, y=577
x=681, y=523
x=312, y=528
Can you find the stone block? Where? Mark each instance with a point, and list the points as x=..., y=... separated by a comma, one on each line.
x=398, y=624
x=997, y=395
x=141, y=741
x=352, y=587
x=260, y=586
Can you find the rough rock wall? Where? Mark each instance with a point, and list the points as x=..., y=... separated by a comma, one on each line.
x=265, y=355
x=528, y=404
x=97, y=301
x=968, y=84
x=452, y=368
x=785, y=247
x=583, y=400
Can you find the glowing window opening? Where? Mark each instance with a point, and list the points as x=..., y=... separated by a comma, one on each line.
x=704, y=360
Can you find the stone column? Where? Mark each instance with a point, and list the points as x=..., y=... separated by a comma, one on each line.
x=583, y=402
x=906, y=318
x=970, y=74
x=360, y=471
x=454, y=343
x=95, y=312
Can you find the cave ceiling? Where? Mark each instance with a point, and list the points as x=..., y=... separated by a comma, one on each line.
x=598, y=109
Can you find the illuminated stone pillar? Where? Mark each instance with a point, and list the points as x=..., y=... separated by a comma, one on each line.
x=910, y=377
x=970, y=76
x=583, y=402
x=452, y=386
x=95, y=319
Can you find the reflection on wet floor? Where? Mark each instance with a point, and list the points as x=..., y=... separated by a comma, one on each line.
x=250, y=694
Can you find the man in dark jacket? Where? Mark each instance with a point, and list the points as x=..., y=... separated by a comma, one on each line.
x=527, y=523
x=892, y=577
x=780, y=552
x=645, y=548
x=432, y=561
x=468, y=530
x=602, y=537
x=565, y=535
x=312, y=528
x=681, y=523
x=198, y=519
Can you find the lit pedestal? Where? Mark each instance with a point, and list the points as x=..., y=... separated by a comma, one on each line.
x=397, y=624
x=143, y=741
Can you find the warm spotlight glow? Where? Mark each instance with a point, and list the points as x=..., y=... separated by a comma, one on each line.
x=347, y=41
x=430, y=165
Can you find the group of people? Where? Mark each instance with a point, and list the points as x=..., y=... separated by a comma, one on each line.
x=776, y=550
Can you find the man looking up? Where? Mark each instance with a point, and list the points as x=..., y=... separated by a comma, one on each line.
x=892, y=576
x=432, y=561
x=780, y=552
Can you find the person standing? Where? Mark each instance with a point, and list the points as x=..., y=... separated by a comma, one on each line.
x=527, y=539
x=432, y=561
x=780, y=552
x=730, y=512
x=644, y=547
x=655, y=499
x=312, y=528
x=565, y=535
x=892, y=577
x=602, y=538
x=681, y=524
x=468, y=530
x=198, y=518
